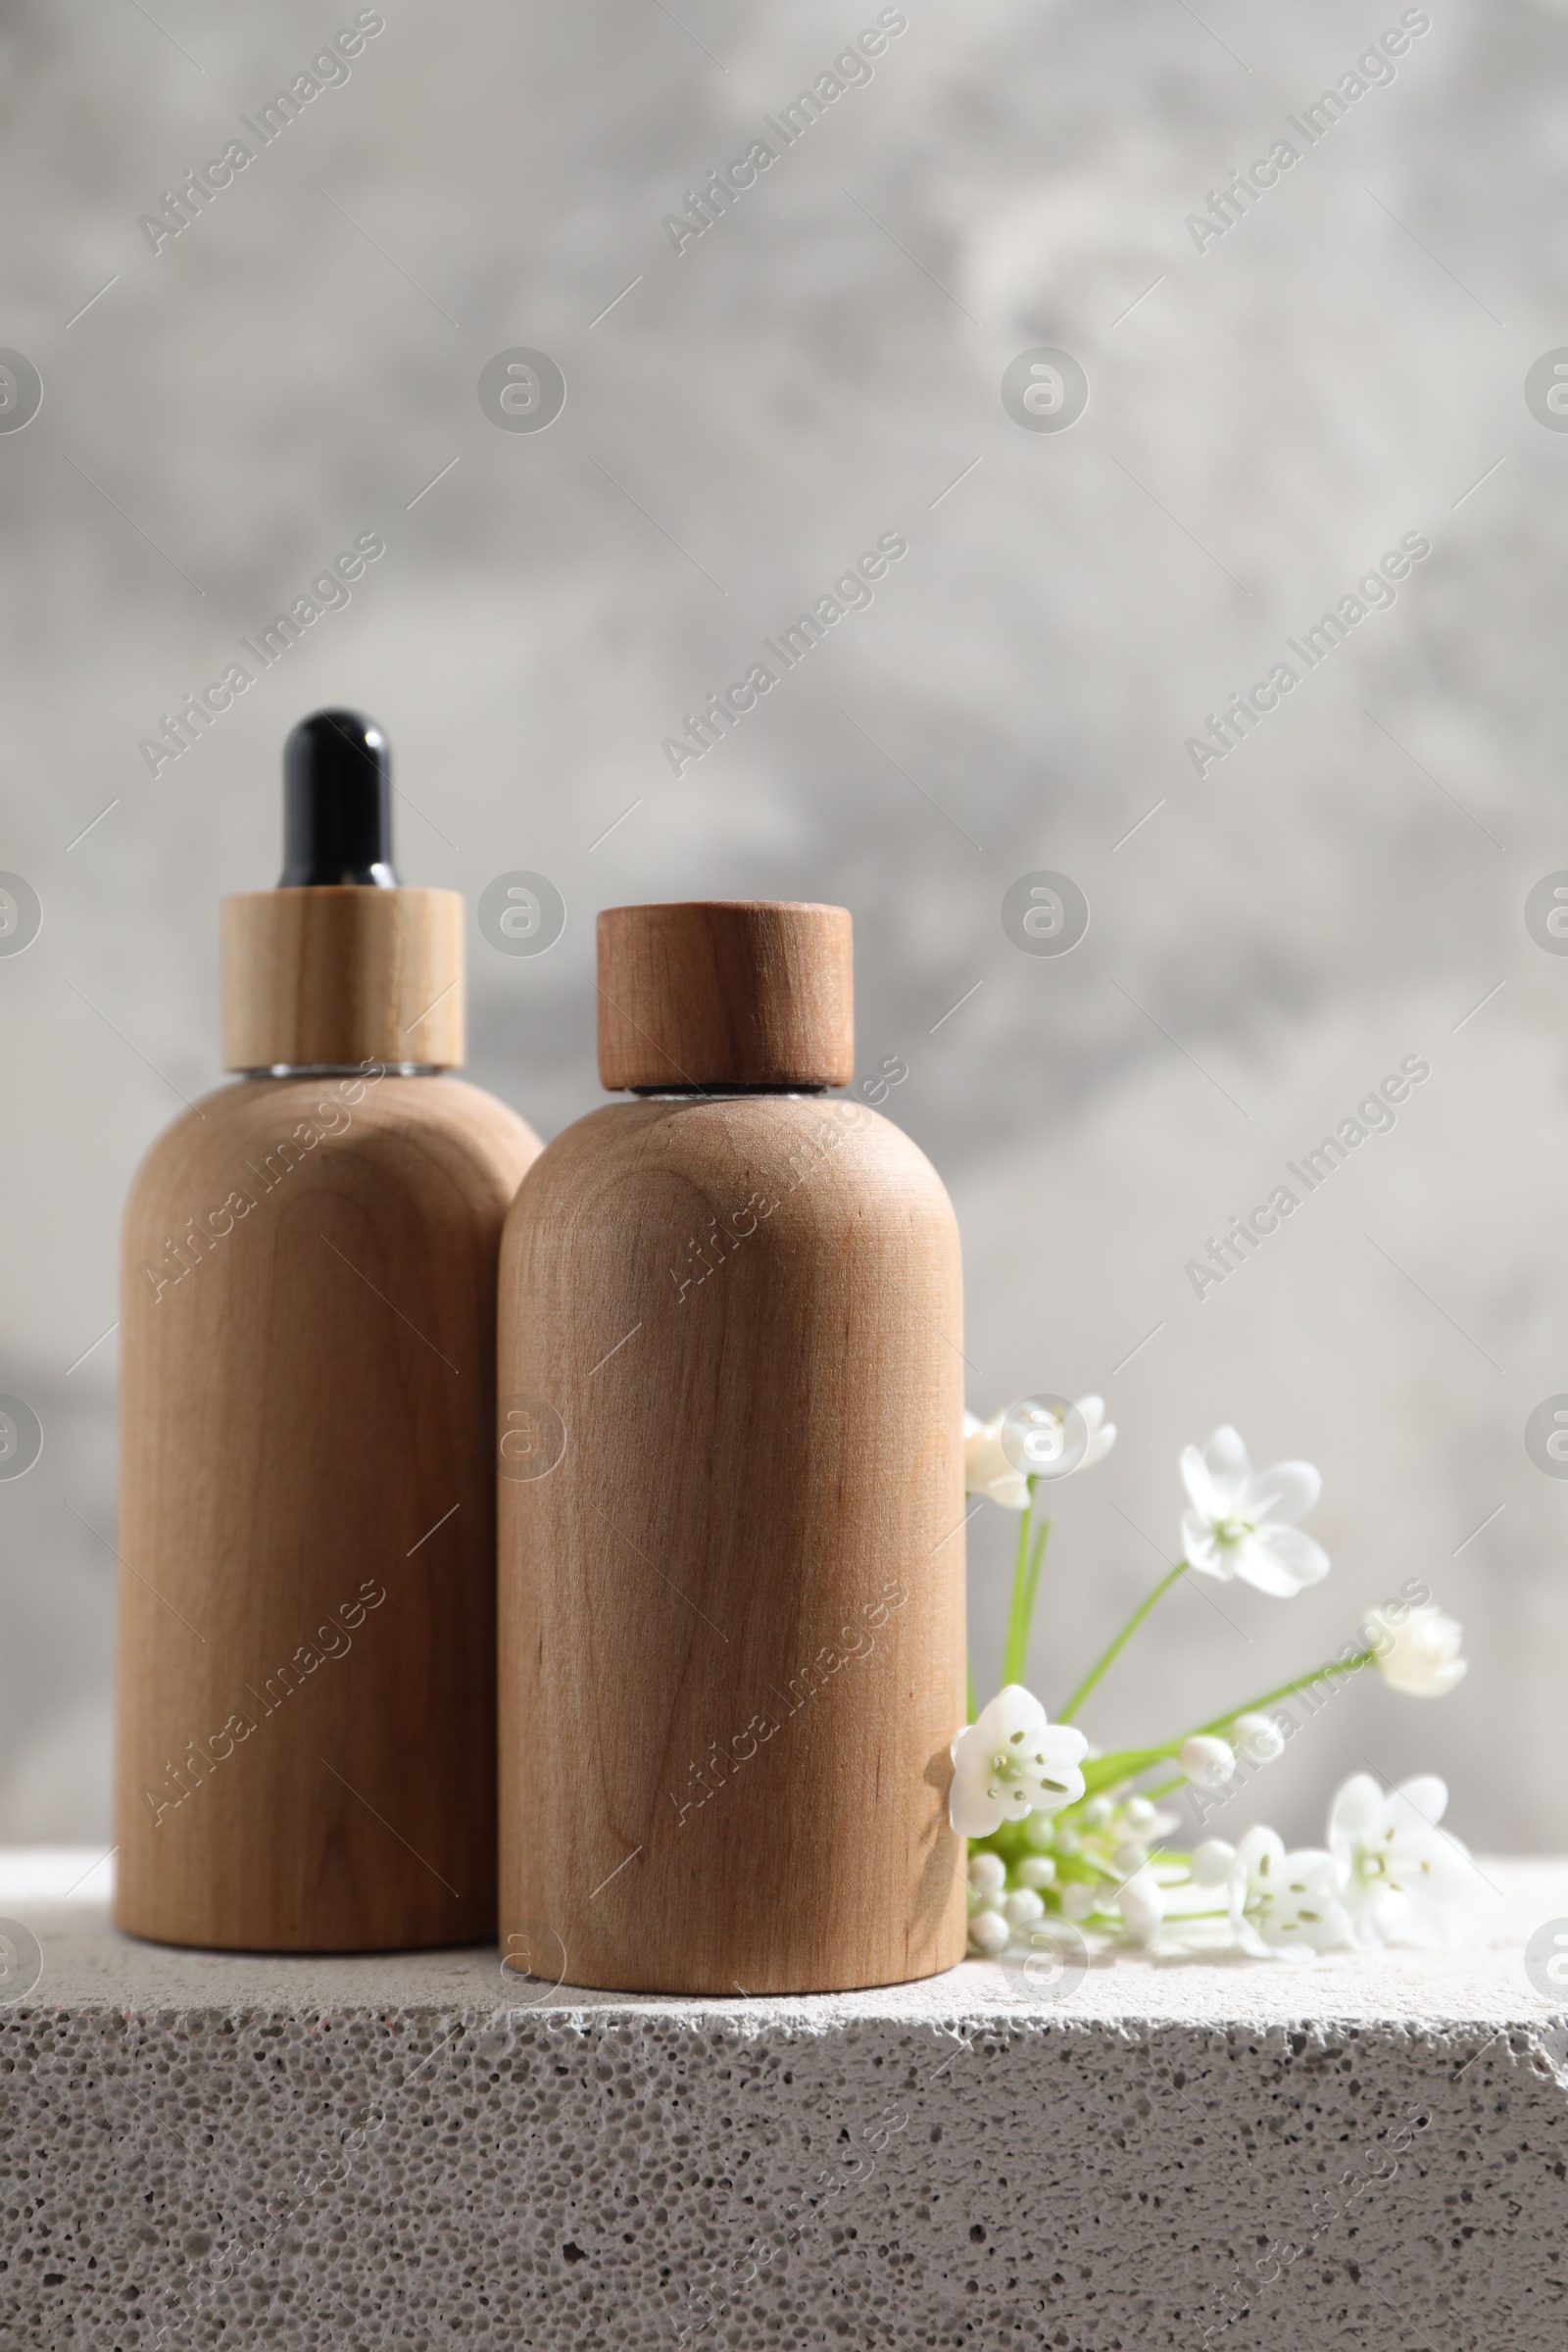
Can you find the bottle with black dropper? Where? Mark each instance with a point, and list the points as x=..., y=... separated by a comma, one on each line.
x=305, y=1754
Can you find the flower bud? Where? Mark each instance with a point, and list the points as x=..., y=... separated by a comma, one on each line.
x=1077, y=1900
x=1141, y=1906
x=1037, y=1870
x=1259, y=1738
x=1139, y=1815
x=1208, y=1762
x=1211, y=1862
x=1022, y=1909
x=1420, y=1654
x=988, y=1874
x=1130, y=1856
x=989, y=1932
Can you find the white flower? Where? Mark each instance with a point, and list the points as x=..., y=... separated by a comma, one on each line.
x=989, y=1470
x=1400, y=1873
x=1242, y=1520
x=1420, y=1656
x=1284, y=1902
x=1129, y=1857
x=1036, y=1870
x=1141, y=1905
x=1259, y=1738
x=1011, y=1762
x=1208, y=1761
x=1102, y=1433
x=1022, y=1908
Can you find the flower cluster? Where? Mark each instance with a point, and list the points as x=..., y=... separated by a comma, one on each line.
x=1060, y=1831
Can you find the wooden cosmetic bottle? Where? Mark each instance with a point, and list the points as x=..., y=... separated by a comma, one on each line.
x=305, y=1731
x=732, y=1519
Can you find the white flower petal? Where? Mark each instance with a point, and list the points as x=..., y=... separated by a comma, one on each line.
x=1260, y=1847
x=1102, y=1433
x=1014, y=1713
x=972, y=1813
x=1356, y=1806
x=1256, y=1563
x=1426, y=1796
x=1196, y=1479
x=1287, y=1492
x=1282, y=1560
x=1228, y=1470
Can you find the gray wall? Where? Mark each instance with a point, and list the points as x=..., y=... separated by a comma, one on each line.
x=1336, y=369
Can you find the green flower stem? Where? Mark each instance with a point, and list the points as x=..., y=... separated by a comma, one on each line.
x=1025, y=1579
x=1036, y=1560
x=1250, y=1706
x=1017, y=1640
x=1108, y=1657
x=1123, y=1764
x=1103, y=1772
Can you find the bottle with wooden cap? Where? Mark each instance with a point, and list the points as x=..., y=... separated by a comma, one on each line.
x=731, y=1521
x=306, y=1727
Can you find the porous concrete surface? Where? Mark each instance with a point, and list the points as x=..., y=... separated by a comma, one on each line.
x=409, y=2152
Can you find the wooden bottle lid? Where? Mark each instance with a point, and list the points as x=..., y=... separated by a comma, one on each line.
x=342, y=974
x=725, y=992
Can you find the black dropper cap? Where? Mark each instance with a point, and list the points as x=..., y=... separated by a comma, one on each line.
x=337, y=803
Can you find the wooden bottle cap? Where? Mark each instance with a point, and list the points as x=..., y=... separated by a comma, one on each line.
x=342, y=975
x=725, y=992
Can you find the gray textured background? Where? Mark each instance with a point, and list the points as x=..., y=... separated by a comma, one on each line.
x=1344, y=366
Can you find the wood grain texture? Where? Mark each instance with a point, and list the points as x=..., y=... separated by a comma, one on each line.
x=714, y=992
x=307, y=1423
x=731, y=1616
x=342, y=975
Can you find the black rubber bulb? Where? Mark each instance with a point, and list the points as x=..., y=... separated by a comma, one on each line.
x=337, y=803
